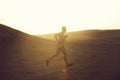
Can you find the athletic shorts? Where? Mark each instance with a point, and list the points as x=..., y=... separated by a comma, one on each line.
x=60, y=46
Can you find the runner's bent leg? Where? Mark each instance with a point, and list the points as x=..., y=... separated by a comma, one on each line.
x=56, y=54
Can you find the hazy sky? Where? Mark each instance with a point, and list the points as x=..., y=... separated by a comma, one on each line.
x=47, y=16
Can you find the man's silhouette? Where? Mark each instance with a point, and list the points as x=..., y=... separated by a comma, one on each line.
x=60, y=38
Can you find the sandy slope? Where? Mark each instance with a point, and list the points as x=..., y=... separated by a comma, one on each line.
x=95, y=55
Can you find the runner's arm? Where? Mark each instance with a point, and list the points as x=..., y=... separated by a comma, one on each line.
x=56, y=37
x=65, y=36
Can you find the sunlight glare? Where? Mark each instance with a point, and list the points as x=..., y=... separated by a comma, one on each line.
x=48, y=16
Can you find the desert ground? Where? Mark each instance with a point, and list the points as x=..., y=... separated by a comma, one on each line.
x=95, y=55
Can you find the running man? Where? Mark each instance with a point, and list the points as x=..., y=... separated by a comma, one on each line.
x=60, y=38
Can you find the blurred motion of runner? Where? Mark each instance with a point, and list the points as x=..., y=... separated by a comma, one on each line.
x=60, y=38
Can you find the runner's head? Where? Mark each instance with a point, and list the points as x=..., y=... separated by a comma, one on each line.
x=63, y=29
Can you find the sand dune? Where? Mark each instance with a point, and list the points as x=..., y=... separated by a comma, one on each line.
x=94, y=53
